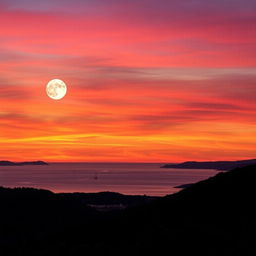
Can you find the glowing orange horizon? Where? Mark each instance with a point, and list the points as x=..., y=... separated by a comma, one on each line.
x=141, y=87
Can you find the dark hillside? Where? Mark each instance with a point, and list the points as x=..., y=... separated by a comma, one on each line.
x=213, y=217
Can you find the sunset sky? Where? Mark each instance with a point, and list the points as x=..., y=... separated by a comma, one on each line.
x=148, y=81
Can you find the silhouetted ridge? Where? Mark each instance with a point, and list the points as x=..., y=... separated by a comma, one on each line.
x=9, y=163
x=218, y=165
x=214, y=217
x=108, y=198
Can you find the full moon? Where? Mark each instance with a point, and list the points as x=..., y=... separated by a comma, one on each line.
x=56, y=89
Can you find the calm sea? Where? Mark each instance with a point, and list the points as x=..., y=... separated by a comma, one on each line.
x=125, y=178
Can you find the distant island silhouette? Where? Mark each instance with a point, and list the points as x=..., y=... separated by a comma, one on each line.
x=214, y=217
x=218, y=165
x=10, y=163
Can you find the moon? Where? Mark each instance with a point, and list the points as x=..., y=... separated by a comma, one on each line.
x=56, y=89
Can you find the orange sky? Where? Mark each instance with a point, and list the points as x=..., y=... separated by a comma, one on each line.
x=147, y=82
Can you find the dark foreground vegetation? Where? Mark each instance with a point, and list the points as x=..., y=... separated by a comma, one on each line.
x=213, y=217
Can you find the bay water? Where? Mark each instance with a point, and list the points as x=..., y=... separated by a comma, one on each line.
x=125, y=178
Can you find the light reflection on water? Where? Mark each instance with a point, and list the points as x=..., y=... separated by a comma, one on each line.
x=125, y=178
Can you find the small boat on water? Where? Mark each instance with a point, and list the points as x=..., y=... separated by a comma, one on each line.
x=95, y=177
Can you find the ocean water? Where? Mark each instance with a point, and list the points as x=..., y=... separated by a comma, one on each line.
x=125, y=178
